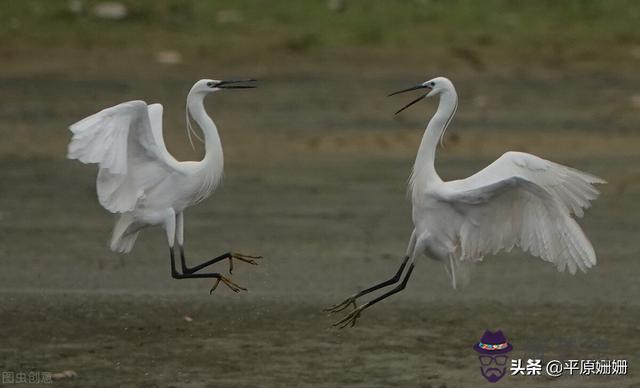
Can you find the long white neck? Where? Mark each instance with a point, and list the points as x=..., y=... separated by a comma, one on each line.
x=424, y=171
x=213, y=162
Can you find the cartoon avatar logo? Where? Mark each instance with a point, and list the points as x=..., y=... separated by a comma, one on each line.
x=493, y=349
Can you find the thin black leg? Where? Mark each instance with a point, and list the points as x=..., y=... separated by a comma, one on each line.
x=185, y=275
x=190, y=270
x=388, y=282
x=400, y=287
x=174, y=273
x=353, y=316
x=351, y=301
x=219, y=277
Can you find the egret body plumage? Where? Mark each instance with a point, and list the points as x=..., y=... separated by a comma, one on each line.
x=141, y=182
x=518, y=200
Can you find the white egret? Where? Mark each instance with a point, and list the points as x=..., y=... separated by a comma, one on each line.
x=140, y=181
x=518, y=200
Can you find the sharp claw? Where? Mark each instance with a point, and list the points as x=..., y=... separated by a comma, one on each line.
x=242, y=257
x=215, y=285
x=227, y=282
x=247, y=256
x=342, y=305
x=351, y=318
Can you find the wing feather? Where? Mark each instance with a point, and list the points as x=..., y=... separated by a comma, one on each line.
x=126, y=143
x=525, y=201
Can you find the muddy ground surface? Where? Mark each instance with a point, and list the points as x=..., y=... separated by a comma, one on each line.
x=316, y=168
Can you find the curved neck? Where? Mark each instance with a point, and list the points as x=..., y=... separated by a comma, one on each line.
x=424, y=171
x=213, y=157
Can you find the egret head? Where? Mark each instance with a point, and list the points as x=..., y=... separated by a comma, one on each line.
x=201, y=89
x=433, y=87
x=207, y=86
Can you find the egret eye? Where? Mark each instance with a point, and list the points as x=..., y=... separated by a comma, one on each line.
x=433, y=83
x=210, y=84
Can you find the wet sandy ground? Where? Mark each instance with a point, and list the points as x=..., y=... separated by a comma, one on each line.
x=144, y=341
x=322, y=197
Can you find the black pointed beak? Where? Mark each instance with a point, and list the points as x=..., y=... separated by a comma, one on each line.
x=417, y=87
x=231, y=84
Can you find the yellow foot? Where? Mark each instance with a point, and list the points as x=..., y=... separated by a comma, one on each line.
x=227, y=282
x=242, y=257
x=351, y=318
x=343, y=305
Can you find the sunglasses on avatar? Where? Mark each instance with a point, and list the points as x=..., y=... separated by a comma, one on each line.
x=486, y=360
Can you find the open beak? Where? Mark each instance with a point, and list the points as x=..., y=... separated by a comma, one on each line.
x=419, y=86
x=231, y=84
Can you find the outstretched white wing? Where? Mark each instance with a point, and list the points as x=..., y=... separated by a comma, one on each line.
x=126, y=143
x=522, y=200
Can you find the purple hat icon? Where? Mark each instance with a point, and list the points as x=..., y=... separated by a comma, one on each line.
x=493, y=343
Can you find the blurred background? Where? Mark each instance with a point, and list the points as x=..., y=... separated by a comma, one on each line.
x=315, y=178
